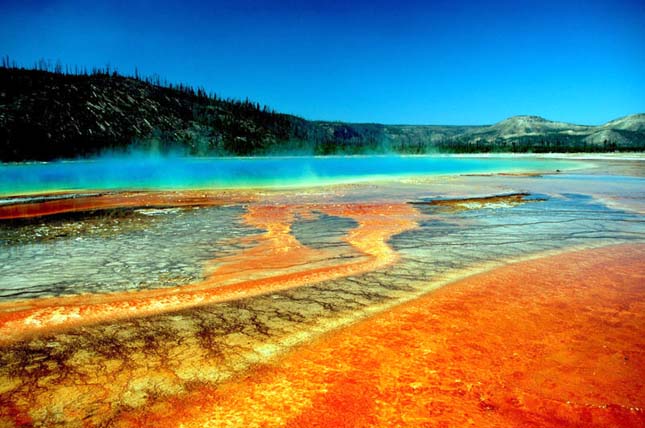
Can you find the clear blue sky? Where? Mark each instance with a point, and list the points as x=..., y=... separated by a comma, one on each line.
x=426, y=62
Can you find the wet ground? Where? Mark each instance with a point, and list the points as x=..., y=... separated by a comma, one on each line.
x=522, y=345
x=118, y=314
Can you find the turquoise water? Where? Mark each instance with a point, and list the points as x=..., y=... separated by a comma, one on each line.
x=168, y=173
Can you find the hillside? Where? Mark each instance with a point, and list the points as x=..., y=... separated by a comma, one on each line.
x=534, y=133
x=518, y=126
x=45, y=115
x=634, y=123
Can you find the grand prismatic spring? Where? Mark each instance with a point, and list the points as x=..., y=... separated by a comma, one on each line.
x=323, y=292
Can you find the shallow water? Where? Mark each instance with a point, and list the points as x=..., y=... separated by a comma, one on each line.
x=142, y=249
x=102, y=371
x=131, y=250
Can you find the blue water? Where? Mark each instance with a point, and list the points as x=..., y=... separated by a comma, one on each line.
x=168, y=173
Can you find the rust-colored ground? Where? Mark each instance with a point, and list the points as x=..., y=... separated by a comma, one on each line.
x=464, y=204
x=274, y=257
x=69, y=204
x=552, y=342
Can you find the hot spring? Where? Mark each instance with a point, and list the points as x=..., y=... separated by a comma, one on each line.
x=144, y=172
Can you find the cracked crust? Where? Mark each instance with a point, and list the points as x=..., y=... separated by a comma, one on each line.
x=119, y=371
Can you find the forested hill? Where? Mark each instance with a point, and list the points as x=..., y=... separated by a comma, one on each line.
x=48, y=115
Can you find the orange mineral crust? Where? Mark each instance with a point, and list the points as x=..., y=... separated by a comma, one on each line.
x=62, y=203
x=277, y=262
x=551, y=342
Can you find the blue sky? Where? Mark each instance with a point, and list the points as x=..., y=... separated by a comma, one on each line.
x=432, y=62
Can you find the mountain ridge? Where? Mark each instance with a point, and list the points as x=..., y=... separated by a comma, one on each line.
x=46, y=115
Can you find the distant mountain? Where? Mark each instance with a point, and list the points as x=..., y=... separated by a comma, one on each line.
x=45, y=115
x=634, y=123
x=519, y=126
x=599, y=138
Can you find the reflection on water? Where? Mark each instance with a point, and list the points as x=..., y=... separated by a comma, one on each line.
x=98, y=373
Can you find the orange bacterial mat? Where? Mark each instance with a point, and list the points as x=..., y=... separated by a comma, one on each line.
x=551, y=342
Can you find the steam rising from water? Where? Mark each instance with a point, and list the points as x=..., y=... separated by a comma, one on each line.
x=143, y=171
